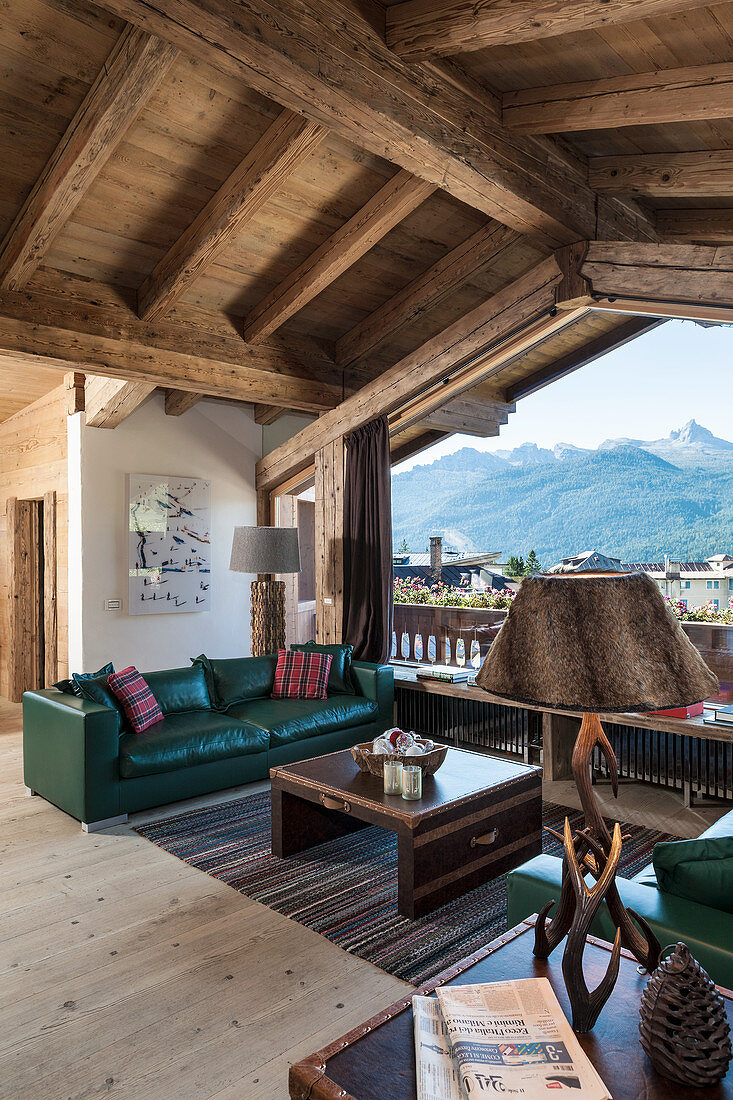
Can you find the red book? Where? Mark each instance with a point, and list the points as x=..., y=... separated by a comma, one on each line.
x=681, y=712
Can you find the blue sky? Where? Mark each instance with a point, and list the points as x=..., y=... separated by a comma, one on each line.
x=677, y=372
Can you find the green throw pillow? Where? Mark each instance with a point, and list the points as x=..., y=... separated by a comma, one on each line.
x=233, y=680
x=73, y=685
x=340, y=680
x=700, y=870
x=97, y=690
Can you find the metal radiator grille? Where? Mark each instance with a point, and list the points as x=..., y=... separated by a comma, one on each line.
x=668, y=760
x=469, y=722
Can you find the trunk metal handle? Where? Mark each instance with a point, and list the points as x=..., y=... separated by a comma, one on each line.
x=335, y=804
x=486, y=839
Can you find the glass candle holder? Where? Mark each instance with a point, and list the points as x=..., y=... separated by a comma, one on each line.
x=411, y=782
x=393, y=777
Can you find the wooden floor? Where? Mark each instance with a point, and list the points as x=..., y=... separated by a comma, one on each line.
x=124, y=972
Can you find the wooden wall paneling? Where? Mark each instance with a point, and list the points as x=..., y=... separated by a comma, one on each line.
x=439, y=127
x=109, y=401
x=391, y=205
x=418, y=30
x=426, y=291
x=130, y=75
x=177, y=402
x=281, y=149
x=329, y=541
x=639, y=99
x=50, y=590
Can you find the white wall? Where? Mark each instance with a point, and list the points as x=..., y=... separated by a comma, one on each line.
x=220, y=443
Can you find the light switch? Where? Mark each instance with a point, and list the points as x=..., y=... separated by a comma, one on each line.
x=113, y=605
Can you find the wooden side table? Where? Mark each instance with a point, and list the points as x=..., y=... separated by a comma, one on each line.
x=377, y=1059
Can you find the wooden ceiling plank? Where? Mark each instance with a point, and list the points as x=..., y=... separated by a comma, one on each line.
x=177, y=402
x=325, y=60
x=280, y=151
x=109, y=401
x=424, y=292
x=268, y=414
x=694, y=93
x=420, y=29
x=525, y=306
x=671, y=273
x=705, y=173
x=594, y=349
x=391, y=205
x=696, y=225
x=401, y=449
x=130, y=75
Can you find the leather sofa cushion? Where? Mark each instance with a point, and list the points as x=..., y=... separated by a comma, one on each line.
x=699, y=870
x=179, y=690
x=340, y=681
x=186, y=740
x=647, y=876
x=234, y=680
x=288, y=720
x=722, y=827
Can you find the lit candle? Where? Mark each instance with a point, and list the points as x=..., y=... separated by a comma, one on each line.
x=411, y=782
x=393, y=777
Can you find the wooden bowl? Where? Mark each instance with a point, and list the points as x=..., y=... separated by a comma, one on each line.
x=374, y=763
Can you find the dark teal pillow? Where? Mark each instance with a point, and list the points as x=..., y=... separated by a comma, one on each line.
x=340, y=680
x=68, y=687
x=700, y=870
x=78, y=678
x=234, y=680
x=180, y=690
x=97, y=690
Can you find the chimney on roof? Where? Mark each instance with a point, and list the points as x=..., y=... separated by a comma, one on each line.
x=436, y=557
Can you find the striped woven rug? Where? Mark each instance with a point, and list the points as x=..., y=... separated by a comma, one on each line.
x=346, y=889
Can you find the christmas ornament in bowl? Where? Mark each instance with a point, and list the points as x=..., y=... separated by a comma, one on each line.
x=398, y=744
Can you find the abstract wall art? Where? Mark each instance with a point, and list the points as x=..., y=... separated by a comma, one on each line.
x=169, y=544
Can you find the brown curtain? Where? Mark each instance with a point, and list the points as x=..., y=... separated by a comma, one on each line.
x=368, y=542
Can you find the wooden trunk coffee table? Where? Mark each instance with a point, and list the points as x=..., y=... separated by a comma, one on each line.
x=377, y=1059
x=479, y=816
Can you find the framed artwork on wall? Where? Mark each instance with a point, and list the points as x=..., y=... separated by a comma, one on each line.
x=169, y=544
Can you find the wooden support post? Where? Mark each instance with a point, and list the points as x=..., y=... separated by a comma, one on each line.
x=558, y=738
x=50, y=589
x=329, y=533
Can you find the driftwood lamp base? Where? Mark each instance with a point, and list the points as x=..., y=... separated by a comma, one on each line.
x=268, y=617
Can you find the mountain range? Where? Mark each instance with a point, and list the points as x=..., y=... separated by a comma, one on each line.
x=630, y=498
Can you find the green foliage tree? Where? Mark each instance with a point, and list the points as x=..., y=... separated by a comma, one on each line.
x=403, y=548
x=532, y=565
x=515, y=567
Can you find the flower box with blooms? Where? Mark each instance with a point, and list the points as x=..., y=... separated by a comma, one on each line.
x=443, y=595
x=707, y=614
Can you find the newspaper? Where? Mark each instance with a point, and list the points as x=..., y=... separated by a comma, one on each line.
x=512, y=1039
x=436, y=1074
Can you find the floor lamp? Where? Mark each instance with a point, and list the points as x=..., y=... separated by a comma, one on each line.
x=266, y=551
x=593, y=643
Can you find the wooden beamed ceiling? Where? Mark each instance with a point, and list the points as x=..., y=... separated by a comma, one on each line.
x=281, y=202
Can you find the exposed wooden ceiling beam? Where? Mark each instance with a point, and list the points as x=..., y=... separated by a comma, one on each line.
x=402, y=449
x=699, y=92
x=109, y=401
x=696, y=225
x=391, y=205
x=470, y=413
x=594, y=349
x=130, y=75
x=268, y=414
x=660, y=273
x=424, y=292
x=281, y=149
x=325, y=60
x=74, y=320
x=462, y=422
x=517, y=316
x=177, y=402
x=706, y=173
x=419, y=29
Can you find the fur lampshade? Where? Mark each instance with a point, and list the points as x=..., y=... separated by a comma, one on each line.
x=604, y=642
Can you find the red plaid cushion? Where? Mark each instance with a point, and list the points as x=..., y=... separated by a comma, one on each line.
x=138, y=702
x=301, y=675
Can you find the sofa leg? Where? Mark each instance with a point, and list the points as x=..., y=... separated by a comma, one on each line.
x=30, y=792
x=105, y=823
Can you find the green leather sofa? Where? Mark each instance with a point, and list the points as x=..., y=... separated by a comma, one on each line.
x=707, y=931
x=220, y=729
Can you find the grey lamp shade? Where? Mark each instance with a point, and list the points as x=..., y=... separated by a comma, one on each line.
x=592, y=644
x=265, y=550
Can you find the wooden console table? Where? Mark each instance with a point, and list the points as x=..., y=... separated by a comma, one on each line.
x=559, y=728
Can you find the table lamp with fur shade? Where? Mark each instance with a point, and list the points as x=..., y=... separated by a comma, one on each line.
x=266, y=551
x=590, y=643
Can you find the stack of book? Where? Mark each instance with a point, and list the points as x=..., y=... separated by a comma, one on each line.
x=445, y=673
x=722, y=716
x=501, y=1038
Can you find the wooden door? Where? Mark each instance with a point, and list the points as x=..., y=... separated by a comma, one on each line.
x=31, y=532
